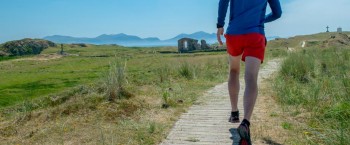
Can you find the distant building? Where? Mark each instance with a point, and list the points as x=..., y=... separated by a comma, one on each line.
x=339, y=30
x=188, y=45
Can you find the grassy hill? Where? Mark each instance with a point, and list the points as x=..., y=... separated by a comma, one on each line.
x=313, y=88
x=296, y=41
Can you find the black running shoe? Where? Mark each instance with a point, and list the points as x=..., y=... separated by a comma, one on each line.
x=234, y=118
x=244, y=133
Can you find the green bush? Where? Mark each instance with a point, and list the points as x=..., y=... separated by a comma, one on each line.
x=26, y=46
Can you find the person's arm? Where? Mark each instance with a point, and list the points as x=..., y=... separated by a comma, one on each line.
x=276, y=11
x=223, y=6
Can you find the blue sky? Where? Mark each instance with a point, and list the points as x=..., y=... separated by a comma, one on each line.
x=153, y=18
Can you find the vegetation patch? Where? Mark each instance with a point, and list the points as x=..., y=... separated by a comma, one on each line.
x=5, y=57
x=25, y=47
x=314, y=83
x=133, y=96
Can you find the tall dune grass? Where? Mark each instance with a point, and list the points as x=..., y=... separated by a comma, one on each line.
x=317, y=82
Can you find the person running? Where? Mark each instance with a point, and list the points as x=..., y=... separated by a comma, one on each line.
x=245, y=40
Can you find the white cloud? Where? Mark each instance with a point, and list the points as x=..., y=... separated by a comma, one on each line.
x=311, y=16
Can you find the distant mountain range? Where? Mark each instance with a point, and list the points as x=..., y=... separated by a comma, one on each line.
x=130, y=40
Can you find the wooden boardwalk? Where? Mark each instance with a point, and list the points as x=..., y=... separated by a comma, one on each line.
x=206, y=123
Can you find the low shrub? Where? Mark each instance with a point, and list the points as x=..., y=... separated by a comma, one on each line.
x=26, y=46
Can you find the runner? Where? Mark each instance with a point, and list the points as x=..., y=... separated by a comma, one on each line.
x=245, y=40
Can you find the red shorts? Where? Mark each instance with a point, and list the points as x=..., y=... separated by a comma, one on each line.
x=252, y=44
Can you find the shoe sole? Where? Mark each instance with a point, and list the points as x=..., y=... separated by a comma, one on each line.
x=236, y=121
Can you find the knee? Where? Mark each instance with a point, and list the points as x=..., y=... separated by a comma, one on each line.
x=234, y=72
x=251, y=79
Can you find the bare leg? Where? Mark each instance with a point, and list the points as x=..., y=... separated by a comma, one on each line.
x=251, y=90
x=233, y=81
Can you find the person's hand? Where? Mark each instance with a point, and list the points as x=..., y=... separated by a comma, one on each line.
x=218, y=34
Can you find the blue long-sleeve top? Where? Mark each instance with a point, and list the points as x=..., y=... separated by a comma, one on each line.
x=248, y=16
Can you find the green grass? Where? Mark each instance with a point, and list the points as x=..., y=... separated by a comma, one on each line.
x=316, y=82
x=3, y=58
x=286, y=125
x=78, y=88
x=29, y=79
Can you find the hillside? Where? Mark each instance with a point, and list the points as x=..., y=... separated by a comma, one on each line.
x=313, y=88
x=297, y=41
